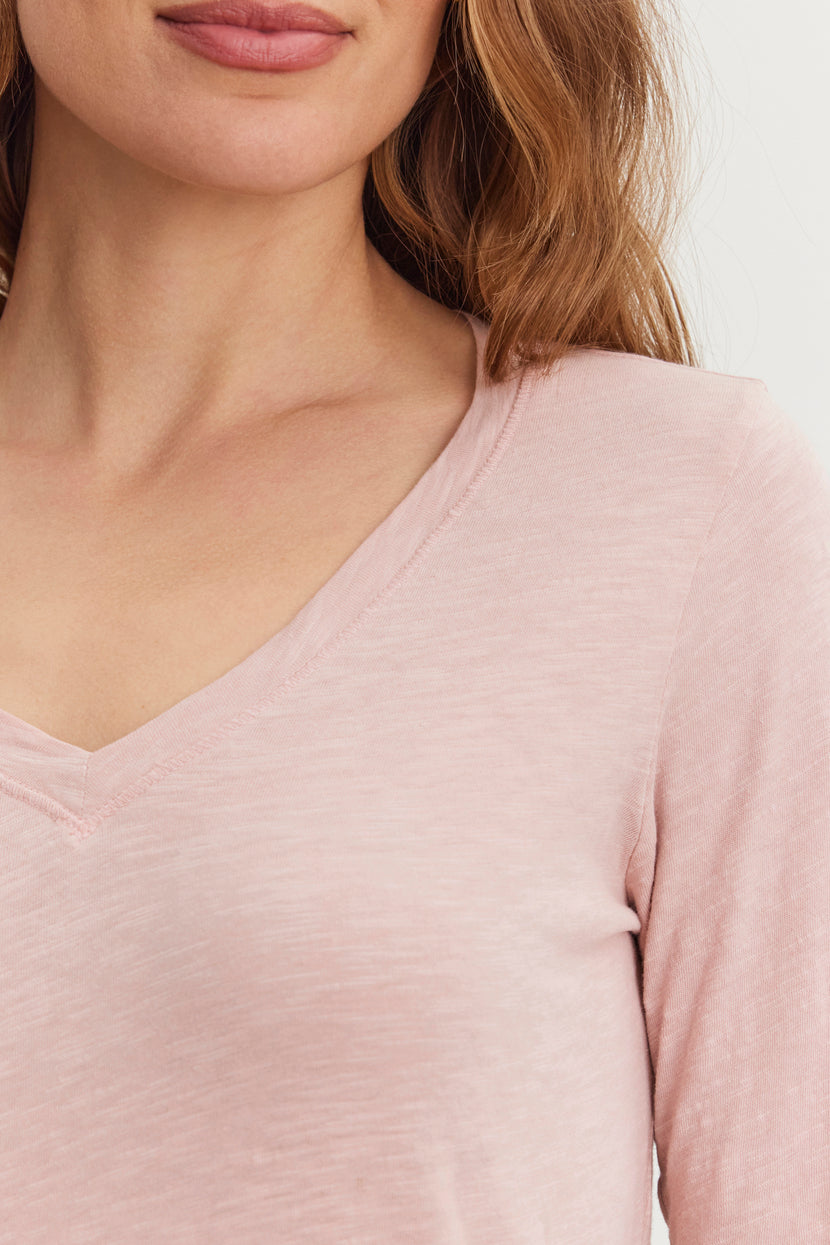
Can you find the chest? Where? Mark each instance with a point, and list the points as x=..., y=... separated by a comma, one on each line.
x=112, y=616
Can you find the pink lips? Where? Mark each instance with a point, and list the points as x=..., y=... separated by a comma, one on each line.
x=245, y=34
x=257, y=15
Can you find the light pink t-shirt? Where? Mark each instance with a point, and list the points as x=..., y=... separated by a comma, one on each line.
x=508, y=855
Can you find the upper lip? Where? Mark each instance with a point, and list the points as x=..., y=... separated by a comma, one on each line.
x=257, y=15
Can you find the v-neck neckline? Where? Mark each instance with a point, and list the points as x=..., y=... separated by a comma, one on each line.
x=67, y=780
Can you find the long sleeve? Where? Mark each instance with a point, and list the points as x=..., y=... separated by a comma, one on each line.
x=730, y=875
x=393, y=932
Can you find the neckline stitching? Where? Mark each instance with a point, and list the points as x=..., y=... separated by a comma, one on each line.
x=85, y=825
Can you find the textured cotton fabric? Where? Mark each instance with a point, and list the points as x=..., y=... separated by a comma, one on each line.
x=508, y=855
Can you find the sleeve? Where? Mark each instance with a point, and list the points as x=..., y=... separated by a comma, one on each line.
x=730, y=875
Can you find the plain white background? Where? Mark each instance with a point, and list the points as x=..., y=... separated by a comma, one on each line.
x=753, y=256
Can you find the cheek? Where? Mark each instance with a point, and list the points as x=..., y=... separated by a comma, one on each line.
x=383, y=91
x=84, y=54
x=396, y=78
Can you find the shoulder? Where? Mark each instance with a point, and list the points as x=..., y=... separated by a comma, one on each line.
x=636, y=457
x=639, y=390
x=648, y=419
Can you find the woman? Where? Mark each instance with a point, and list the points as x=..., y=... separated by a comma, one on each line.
x=414, y=667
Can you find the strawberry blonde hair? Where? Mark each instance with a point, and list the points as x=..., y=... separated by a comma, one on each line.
x=534, y=183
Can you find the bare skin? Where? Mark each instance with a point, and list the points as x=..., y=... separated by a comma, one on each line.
x=109, y=606
x=213, y=388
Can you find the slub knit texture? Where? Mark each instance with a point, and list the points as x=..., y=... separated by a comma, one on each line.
x=508, y=854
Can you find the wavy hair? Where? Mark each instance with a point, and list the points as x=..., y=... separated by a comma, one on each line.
x=534, y=183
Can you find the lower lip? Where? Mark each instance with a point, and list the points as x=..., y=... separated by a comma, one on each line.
x=241, y=48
